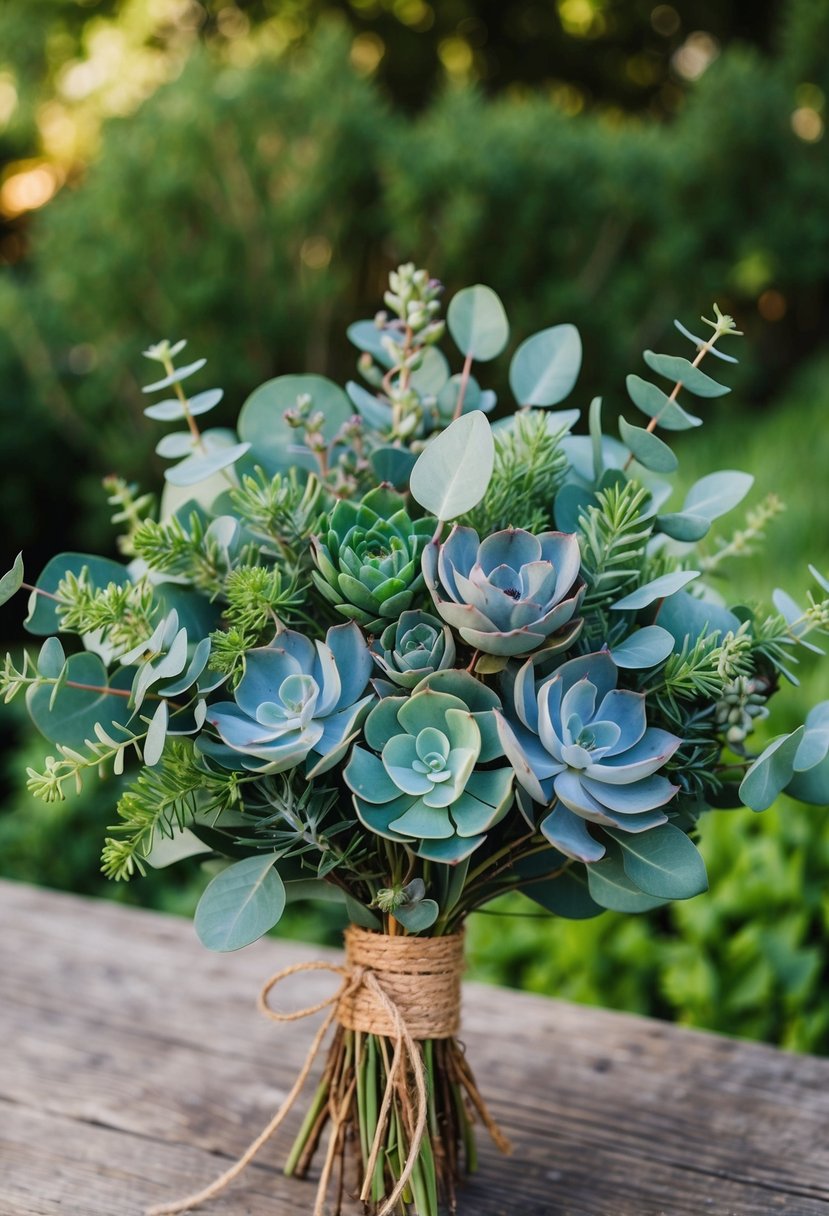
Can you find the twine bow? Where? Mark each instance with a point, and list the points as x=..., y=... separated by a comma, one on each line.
x=363, y=1002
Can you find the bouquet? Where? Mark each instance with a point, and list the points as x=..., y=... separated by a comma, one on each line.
x=370, y=643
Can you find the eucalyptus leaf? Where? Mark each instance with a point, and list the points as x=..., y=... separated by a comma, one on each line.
x=167, y=850
x=811, y=785
x=172, y=410
x=644, y=648
x=814, y=745
x=682, y=527
x=546, y=366
x=51, y=660
x=393, y=465
x=359, y=914
x=700, y=342
x=662, y=862
x=595, y=427
x=657, y=589
x=274, y=444
x=674, y=367
x=651, y=451
x=610, y=887
x=175, y=377
x=478, y=323
x=771, y=772
x=375, y=412
x=453, y=472
x=175, y=445
x=658, y=405
x=431, y=374
x=156, y=735
x=241, y=904
x=12, y=580
x=417, y=916
x=567, y=895
x=43, y=619
x=70, y=717
x=718, y=493
x=687, y=618
x=197, y=468
x=367, y=337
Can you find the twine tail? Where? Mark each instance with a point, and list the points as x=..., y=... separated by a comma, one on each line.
x=215, y=1188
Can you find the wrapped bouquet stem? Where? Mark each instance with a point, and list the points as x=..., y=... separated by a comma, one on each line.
x=371, y=646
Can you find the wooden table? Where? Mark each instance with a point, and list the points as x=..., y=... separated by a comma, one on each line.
x=134, y=1067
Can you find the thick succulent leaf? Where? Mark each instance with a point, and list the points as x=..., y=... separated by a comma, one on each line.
x=69, y=715
x=422, y=822
x=377, y=818
x=546, y=365
x=652, y=401
x=453, y=472
x=651, y=451
x=478, y=323
x=662, y=862
x=352, y=659
x=568, y=833
x=657, y=589
x=681, y=527
x=633, y=799
x=262, y=419
x=471, y=816
x=771, y=772
x=611, y=887
x=451, y=851
x=12, y=580
x=43, y=619
x=517, y=757
x=654, y=748
x=240, y=904
x=645, y=648
x=718, y=493
x=676, y=368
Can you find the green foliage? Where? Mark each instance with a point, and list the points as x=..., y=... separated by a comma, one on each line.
x=613, y=533
x=529, y=468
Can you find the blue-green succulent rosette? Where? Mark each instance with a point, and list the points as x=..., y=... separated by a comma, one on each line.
x=297, y=701
x=582, y=748
x=426, y=777
x=509, y=594
x=412, y=648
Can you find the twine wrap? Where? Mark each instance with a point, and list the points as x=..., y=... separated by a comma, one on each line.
x=403, y=988
x=421, y=976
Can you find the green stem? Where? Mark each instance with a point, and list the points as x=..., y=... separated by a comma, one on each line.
x=319, y=1100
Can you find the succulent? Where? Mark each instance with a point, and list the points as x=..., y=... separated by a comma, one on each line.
x=296, y=701
x=414, y=647
x=368, y=558
x=422, y=782
x=509, y=594
x=582, y=747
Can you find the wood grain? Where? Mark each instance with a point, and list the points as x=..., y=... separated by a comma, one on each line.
x=134, y=1067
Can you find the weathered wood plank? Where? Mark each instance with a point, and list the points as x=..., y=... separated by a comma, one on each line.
x=133, y=1067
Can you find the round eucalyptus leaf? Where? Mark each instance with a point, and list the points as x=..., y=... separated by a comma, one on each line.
x=171, y=410
x=220, y=451
x=681, y=371
x=42, y=618
x=68, y=715
x=393, y=465
x=718, y=493
x=611, y=887
x=429, y=378
x=240, y=904
x=545, y=367
x=771, y=772
x=567, y=895
x=275, y=445
x=175, y=445
x=367, y=337
x=453, y=472
x=644, y=648
x=478, y=323
x=662, y=862
x=651, y=400
x=51, y=660
x=418, y=916
x=651, y=451
x=682, y=527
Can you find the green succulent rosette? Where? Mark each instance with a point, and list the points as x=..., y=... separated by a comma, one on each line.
x=414, y=647
x=368, y=558
x=422, y=779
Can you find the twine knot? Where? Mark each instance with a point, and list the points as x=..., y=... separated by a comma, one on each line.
x=406, y=989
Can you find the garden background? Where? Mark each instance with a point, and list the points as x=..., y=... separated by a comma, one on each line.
x=244, y=175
